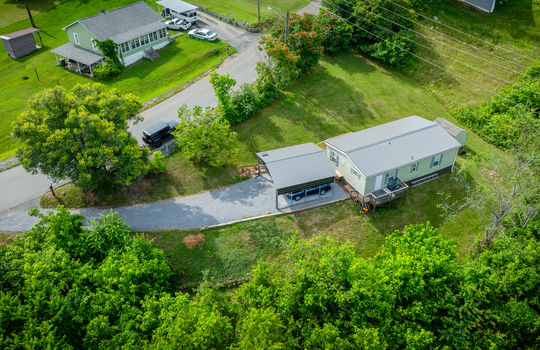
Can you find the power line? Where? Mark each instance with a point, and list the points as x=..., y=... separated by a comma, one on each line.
x=464, y=33
x=421, y=58
x=431, y=49
x=439, y=41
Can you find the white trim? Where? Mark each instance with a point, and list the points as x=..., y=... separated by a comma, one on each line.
x=94, y=44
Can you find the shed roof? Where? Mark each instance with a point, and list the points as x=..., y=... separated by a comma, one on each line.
x=297, y=167
x=19, y=33
x=78, y=54
x=484, y=5
x=124, y=23
x=395, y=144
x=451, y=128
x=177, y=5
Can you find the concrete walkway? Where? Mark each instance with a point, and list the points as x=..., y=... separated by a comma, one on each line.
x=250, y=198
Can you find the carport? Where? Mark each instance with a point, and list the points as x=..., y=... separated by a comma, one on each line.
x=296, y=168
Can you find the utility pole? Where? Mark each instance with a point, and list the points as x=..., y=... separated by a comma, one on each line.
x=29, y=14
x=259, y=9
x=287, y=27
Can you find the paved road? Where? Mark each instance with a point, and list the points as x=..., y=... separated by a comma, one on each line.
x=253, y=197
x=20, y=190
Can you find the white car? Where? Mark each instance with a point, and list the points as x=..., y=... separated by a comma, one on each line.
x=178, y=24
x=203, y=34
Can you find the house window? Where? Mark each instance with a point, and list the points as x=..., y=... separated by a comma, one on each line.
x=436, y=161
x=135, y=43
x=153, y=36
x=162, y=33
x=414, y=167
x=334, y=158
x=390, y=175
x=125, y=47
x=94, y=45
x=76, y=38
x=143, y=40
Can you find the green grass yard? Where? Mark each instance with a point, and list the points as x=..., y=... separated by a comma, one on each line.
x=180, y=62
x=246, y=10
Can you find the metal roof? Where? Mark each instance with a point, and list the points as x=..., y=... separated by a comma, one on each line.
x=297, y=167
x=19, y=33
x=484, y=5
x=124, y=23
x=78, y=54
x=177, y=5
x=393, y=145
x=451, y=128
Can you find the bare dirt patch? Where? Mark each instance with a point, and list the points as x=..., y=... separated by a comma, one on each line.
x=193, y=241
x=248, y=171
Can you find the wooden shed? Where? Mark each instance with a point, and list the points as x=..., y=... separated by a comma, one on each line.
x=20, y=43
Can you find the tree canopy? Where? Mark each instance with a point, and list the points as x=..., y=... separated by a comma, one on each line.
x=82, y=135
x=66, y=286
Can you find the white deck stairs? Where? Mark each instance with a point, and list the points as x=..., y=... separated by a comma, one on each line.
x=151, y=54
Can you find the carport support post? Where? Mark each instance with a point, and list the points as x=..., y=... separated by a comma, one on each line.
x=277, y=200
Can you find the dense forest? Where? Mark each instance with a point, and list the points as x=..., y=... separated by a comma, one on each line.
x=64, y=285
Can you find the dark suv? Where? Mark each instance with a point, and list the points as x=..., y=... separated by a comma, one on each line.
x=155, y=134
x=311, y=191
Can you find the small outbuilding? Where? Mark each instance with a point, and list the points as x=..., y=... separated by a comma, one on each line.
x=297, y=168
x=20, y=43
x=458, y=133
x=483, y=5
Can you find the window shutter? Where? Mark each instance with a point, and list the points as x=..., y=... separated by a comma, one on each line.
x=440, y=159
x=432, y=161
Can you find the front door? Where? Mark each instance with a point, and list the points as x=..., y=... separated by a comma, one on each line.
x=378, y=182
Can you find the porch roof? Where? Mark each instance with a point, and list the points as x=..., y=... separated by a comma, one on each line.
x=78, y=54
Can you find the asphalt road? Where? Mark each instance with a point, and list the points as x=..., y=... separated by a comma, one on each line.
x=20, y=191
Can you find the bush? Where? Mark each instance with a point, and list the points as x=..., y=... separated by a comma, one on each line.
x=108, y=70
x=503, y=119
x=244, y=102
x=335, y=33
x=156, y=166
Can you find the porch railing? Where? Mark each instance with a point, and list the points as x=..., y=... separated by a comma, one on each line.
x=385, y=195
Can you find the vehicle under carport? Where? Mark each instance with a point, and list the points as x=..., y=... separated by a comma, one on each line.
x=297, y=168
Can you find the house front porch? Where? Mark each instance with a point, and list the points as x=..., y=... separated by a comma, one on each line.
x=77, y=59
x=395, y=189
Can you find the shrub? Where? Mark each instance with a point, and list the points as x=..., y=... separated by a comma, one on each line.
x=108, y=70
x=156, y=166
x=244, y=102
x=335, y=33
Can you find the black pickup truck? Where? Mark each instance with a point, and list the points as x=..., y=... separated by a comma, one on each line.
x=156, y=133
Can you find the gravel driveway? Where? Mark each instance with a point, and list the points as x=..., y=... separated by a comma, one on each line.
x=250, y=198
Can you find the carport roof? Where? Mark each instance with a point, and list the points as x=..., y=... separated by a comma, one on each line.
x=297, y=167
x=177, y=5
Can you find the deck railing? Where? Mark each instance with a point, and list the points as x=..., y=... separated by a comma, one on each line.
x=385, y=195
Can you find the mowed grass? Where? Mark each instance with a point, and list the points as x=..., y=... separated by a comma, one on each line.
x=14, y=10
x=246, y=10
x=179, y=63
x=229, y=253
x=343, y=94
x=512, y=26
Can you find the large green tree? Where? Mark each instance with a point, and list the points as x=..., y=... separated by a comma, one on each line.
x=204, y=136
x=82, y=135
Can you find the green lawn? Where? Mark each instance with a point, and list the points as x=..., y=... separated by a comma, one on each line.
x=513, y=26
x=246, y=10
x=14, y=10
x=180, y=62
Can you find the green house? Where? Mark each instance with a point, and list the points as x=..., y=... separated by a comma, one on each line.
x=380, y=163
x=136, y=29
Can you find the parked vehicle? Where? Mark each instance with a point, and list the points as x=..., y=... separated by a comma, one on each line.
x=310, y=191
x=203, y=34
x=189, y=15
x=178, y=24
x=155, y=134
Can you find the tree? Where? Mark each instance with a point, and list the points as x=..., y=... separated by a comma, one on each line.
x=204, y=136
x=82, y=135
x=222, y=85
